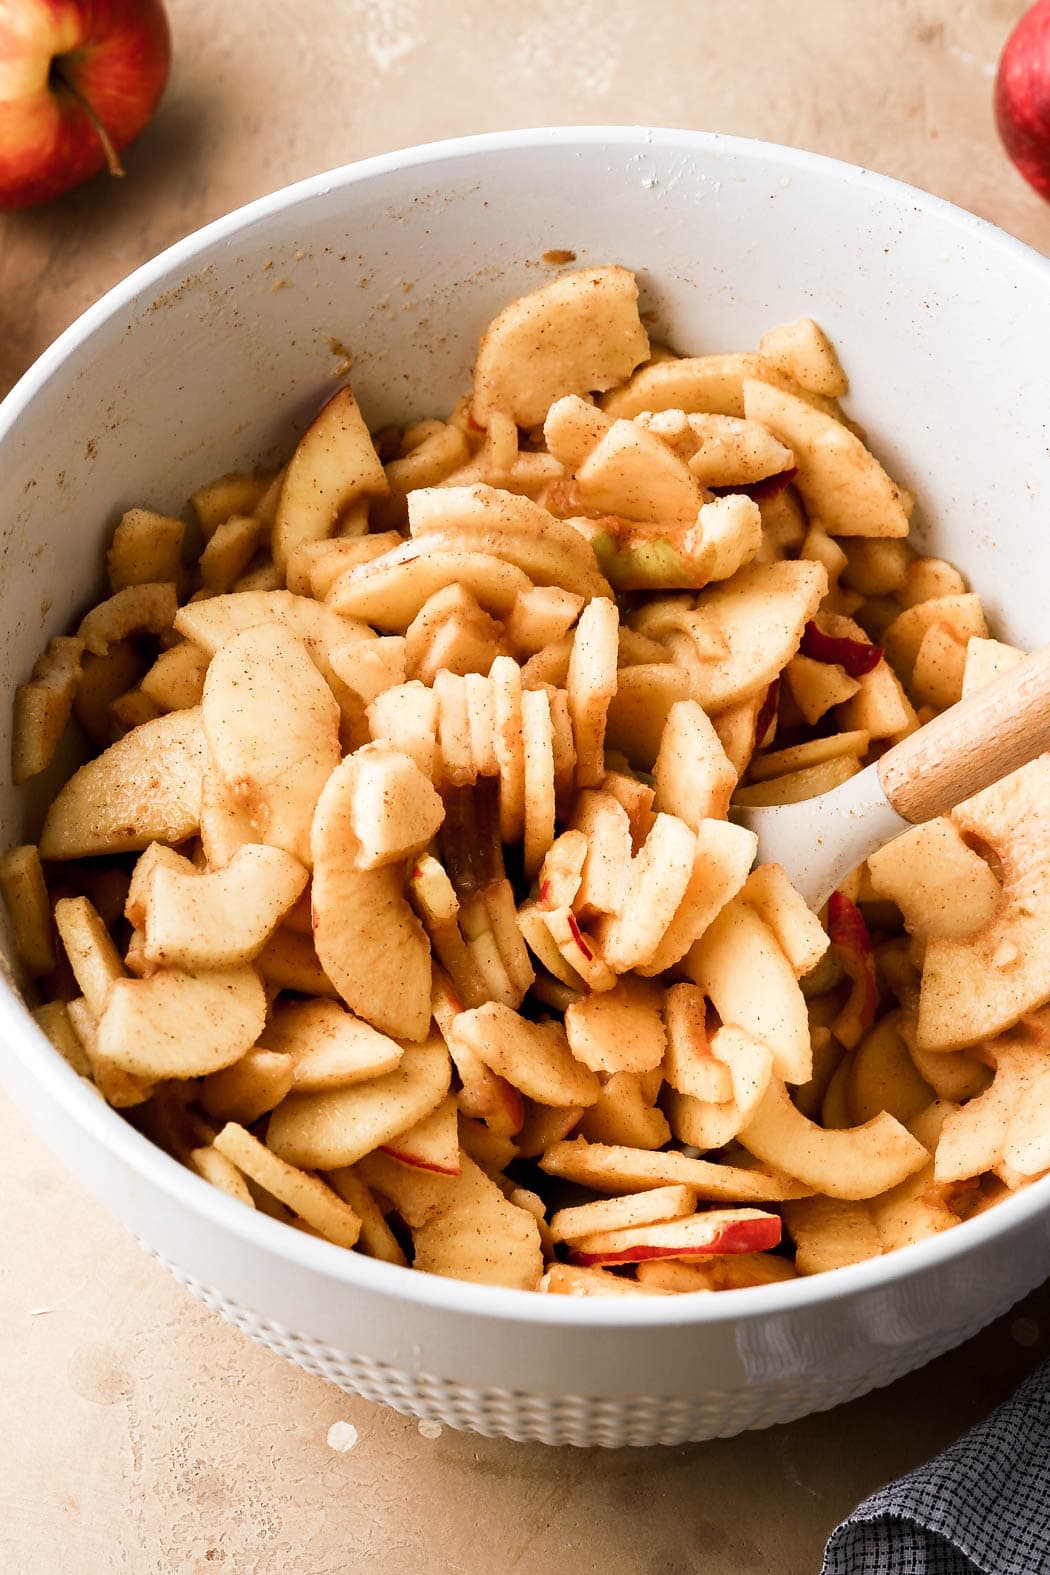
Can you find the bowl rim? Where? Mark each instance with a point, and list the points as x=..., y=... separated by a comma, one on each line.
x=181, y=1187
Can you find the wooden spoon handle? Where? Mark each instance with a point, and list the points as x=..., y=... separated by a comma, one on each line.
x=973, y=744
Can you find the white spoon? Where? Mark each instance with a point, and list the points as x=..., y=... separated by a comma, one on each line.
x=968, y=747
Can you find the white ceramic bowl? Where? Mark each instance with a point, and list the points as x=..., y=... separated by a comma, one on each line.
x=214, y=354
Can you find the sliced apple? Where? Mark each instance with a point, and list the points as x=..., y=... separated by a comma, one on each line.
x=289, y=961
x=624, y=1114
x=592, y=680
x=177, y=1024
x=568, y=1279
x=659, y=877
x=635, y=1208
x=572, y=427
x=334, y=464
x=369, y=667
x=273, y=731
x=711, y=1231
x=430, y=1144
x=694, y=778
x=369, y=942
x=406, y=717
x=144, y=788
x=562, y=869
x=724, y=853
x=814, y=752
x=841, y=482
x=540, y=617
x=249, y=1088
x=618, y=1030
x=817, y=686
x=534, y=1057
x=631, y=474
x=798, y=930
x=510, y=749
x=394, y=809
x=307, y=1196
x=729, y=1272
x=340, y=1126
x=740, y=965
x=611, y=1168
x=480, y=1236
x=707, y=1126
x=941, y=885
x=987, y=659
x=222, y=917
x=414, y=1194
x=879, y=707
x=803, y=351
x=137, y=609
x=607, y=868
x=962, y=615
x=579, y=333
x=706, y=383
x=390, y=591
x=328, y=1046
x=376, y=1240
x=831, y=1233
x=511, y=527
x=211, y=623
x=638, y=711
x=221, y=1172
x=24, y=893
x=857, y=1162
x=690, y=1066
x=43, y=707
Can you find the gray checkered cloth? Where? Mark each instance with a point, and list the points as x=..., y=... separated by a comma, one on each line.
x=980, y=1508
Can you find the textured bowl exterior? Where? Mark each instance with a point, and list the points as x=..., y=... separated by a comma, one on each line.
x=216, y=354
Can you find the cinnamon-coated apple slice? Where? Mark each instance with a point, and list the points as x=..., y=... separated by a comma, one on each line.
x=730, y=1272
x=376, y=1240
x=801, y=935
x=631, y=474
x=272, y=726
x=708, y=1126
x=569, y=1279
x=618, y=1030
x=537, y=736
x=693, y=776
x=624, y=1114
x=43, y=707
x=532, y=922
x=615, y=1168
x=699, y=1236
x=211, y=622
x=216, y=918
x=658, y=880
x=579, y=333
x=579, y=950
x=856, y=1162
x=390, y=591
x=431, y=1144
x=249, y=1088
x=534, y=1057
x=144, y=788
x=603, y=821
x=435, y=900
x=177, y=1024
x=738, y=963
x=479, y=1235
x=406, y=717
x=307, y=1196
x=633, y=1208
x=690, y=1065
x=830, y=1233
x=394, y=808
x=415, y=1194
x=328, y=1046
x=723, y=855
x=510, y=750
x=334, y=464
x=592, y=680
x=340, y=1126
x=368, y=940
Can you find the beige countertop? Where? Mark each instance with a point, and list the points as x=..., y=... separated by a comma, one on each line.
x=139, y=1433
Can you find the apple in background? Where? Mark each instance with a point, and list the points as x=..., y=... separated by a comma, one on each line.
x=1022, y=97
x=79, y=79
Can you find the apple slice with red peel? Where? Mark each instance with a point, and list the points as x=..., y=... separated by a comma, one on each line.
x=431, y=1144
x=624, y=1115
x=534, y=1057
x=177, y=1024
x=659, y=878
x=340, y=1126
x=478, y=1235
x=219, y=917
x=144, y=788
x=390, y=591
x=699, y=1236
x=849, y=935
x=618, y=1030
x=578, y=949
x=799, y=932
x=738, y=963
x=329, y=1046
x=578, y=333
x=368, y=940
x=634, y=1208
x=273, y=732
x=831, y=1233
x=617, y=1168
x=417, y=1195
x=855, y=657
x=334, y=464
x=606, y=870
x=855, y=1162
x=690, y=1065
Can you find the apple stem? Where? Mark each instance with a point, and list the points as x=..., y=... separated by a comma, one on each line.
x=113, y=162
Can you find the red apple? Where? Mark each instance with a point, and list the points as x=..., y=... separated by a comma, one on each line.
x=714, y=1231
x=79, y=79
x=1022, y=97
